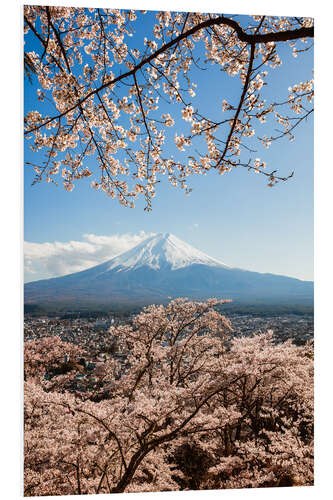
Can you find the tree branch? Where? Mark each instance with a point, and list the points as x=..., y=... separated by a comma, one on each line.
x=242, y=36
x=246, y=84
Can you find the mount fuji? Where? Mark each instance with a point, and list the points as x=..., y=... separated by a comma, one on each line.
x=159, y=268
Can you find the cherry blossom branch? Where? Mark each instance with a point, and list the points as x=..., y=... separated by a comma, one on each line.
x=252, y=39
x=62, y=48
x=141, y=107
x=241, y=101
x=298, y=121
x=150, y=445
x=111, y=433
x=43, y=42
x=281, y=36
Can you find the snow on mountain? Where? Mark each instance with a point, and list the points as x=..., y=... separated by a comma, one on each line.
x=160, y=251
x=158, y=268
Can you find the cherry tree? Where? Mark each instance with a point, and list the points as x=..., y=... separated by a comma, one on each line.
x=110, y=95
x=49, y=353
x=190, y=408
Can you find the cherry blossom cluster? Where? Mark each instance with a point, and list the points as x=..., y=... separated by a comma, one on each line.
x=103, y=94
x=190, y=407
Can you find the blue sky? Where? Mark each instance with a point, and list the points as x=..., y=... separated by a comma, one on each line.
x=235, y=218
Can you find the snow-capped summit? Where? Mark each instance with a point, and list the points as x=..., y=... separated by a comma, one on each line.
x=161, y=251
x=156, y=269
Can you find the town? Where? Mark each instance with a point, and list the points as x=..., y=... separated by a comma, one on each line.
x=92, y=333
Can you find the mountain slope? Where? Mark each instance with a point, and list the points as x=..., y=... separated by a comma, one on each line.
x=161, y=267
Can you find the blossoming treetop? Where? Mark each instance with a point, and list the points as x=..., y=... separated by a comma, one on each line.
x=111, y=94
x=188, y=408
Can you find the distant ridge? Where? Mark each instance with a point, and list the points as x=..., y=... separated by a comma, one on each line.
x=160, y=267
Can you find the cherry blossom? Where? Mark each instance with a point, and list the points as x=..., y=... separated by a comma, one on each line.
x=102, y=94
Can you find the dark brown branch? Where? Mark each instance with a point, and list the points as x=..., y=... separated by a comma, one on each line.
x=62, y=48
x=43, y=42
x=154, y=443
x=111, y=433
x=48, y=33
x=246, y=84
x=141, y=107
x=280, y=36
x=78, y=478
